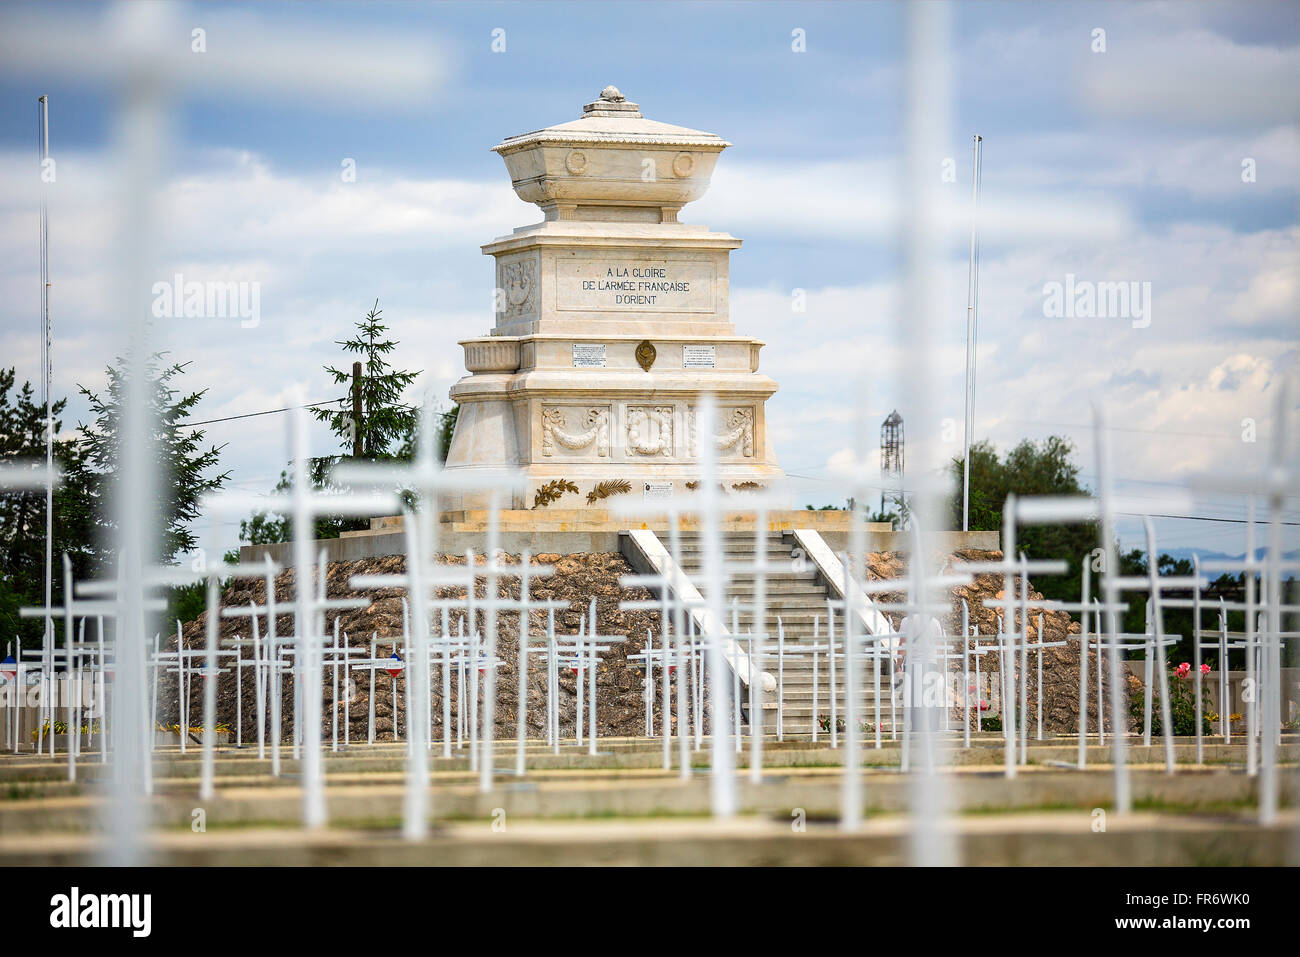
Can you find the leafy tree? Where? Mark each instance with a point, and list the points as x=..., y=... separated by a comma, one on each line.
x=22, y=513
x=1031, y=468
x=892, y=517
x=385, y=421
x=446, y=430
x=184, y=464
x=265, y=528
x=1176, y=621
x=187, y=602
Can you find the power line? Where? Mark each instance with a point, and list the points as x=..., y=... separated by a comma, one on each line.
x=1202, y=518
x=249, y=415
x=1113, y=428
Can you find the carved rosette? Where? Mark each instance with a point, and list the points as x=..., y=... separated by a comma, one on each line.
x=650, y=430
x=737, y=434
x=576, y=162
x=594, y=433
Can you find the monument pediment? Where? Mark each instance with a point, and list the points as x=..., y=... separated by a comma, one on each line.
x=611, y=164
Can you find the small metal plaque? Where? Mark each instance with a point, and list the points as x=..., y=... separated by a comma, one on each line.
x=699, y=357
x=588, y=355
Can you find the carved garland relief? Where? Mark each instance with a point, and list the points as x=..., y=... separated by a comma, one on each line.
x=595, y=431
x=649, y=431
x=737, y=433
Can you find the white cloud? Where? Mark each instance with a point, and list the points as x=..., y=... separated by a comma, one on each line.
x=1194, y=75
x=322, y=250
x=862, y=199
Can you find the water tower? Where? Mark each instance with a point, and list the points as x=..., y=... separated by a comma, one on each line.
x=891, y=457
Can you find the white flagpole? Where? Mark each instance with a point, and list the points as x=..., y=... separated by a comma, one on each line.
x=972, y=320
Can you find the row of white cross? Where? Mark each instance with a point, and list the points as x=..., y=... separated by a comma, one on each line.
x=426, y=649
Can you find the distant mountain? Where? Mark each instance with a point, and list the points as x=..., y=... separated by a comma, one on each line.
x=1206, y=555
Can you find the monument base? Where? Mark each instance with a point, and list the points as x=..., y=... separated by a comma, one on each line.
x=834, y=521
x=571, y=531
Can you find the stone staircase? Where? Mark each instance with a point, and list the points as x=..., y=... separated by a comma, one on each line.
x=795, y=593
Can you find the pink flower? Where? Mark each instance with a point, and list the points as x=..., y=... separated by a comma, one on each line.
x=1205, y=669
x=1183, y=669
x=984, y=705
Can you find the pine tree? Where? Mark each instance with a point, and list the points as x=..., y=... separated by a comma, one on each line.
x=22, y=514
x=384, y=420
x=386, y=429
x=183, y=462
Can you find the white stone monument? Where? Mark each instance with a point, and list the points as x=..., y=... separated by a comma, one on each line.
x=611, y=319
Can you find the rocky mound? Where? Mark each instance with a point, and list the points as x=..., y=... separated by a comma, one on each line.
x=575, y=580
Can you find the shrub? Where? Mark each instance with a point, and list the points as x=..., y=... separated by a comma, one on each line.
x=1182, y=704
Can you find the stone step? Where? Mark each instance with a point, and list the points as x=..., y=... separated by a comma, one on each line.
x=780, y=571
x=740, y=557
x=795, y=677
x=696, y=536
x=815, y=603
x=748, y=585
x=798, y=632
x=733, y=549
x=784, y=582
x=776, y=576
x=805, y=689
x=777, y=602
x=804, y=693
x=774, y=590
x=799, y=599
x=824, y=691
x=796, y=621
x=774, y=540
x=728, y=544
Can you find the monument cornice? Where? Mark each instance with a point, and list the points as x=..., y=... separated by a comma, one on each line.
x=594, y=138
x=614, y=337
x=560, y=384
x=635, y=235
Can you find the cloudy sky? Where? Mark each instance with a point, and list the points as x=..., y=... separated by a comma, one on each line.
x=1163, y=150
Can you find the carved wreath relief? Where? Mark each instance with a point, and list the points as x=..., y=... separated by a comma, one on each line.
x=650, y=430
x=519, y=287
x=594, y=432
x=737, y=432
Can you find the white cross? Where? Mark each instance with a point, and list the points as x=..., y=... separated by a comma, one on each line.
x=145, y=55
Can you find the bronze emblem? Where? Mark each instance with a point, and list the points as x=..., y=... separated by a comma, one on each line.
x=645, y=354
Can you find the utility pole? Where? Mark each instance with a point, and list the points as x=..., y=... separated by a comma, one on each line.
x=356, y=411
x=972, y=327
x=47, y=364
